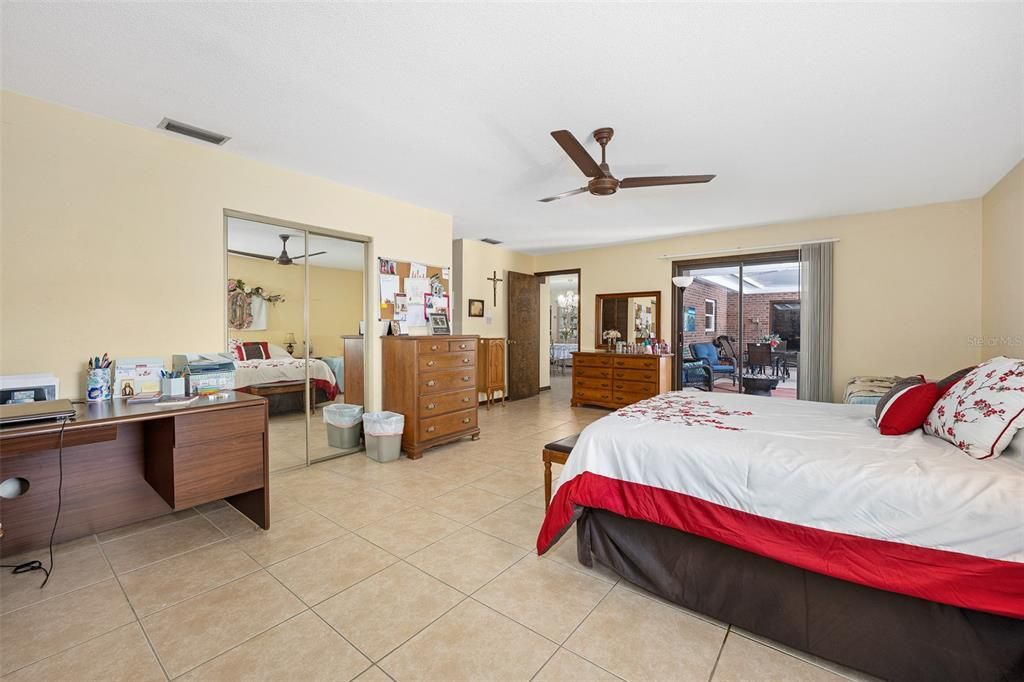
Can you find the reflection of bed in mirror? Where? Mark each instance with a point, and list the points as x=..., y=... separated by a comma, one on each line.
x=281, y=381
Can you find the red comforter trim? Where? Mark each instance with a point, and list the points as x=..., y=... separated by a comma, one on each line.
x=330, y=389
x=977, y=583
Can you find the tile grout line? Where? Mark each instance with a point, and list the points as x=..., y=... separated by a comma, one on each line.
x=718, y=657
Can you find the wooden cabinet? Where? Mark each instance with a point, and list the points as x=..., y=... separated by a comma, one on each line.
x=432, y=382
x=615, y=380
x=490, y=369
x=353, y=369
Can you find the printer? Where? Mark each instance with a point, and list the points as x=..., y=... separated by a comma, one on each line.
x=205, y=372
x=28, y=388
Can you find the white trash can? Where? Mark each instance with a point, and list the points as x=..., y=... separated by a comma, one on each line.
x=383, y=433
x=344, y=424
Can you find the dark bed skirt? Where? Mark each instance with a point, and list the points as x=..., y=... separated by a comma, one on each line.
x=885, y=634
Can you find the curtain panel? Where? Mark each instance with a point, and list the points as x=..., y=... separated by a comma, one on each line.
x=815, y=322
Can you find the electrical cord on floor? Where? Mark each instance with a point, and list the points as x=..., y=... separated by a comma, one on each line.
x=35, y=564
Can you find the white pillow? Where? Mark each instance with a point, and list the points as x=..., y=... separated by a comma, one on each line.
x=277, y=351
x=981, y=413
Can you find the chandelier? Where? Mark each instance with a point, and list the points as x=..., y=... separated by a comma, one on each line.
x=568, y=300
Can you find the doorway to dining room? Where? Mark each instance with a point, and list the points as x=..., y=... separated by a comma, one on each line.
x=736, y=321
x=563, y=311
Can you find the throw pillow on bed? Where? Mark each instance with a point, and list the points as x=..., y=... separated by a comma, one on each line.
x=981, y=413
x=255, y=350
x=950, y=381
x=905, y=407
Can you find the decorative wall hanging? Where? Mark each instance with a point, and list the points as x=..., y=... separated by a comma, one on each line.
x=247, y=306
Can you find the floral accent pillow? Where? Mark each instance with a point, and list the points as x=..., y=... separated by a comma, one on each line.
x=981, y=413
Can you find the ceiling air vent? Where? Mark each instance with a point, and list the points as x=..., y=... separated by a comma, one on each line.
x=490, y=240
x=191, y=131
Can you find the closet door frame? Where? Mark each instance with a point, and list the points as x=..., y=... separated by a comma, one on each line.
x=307, y=231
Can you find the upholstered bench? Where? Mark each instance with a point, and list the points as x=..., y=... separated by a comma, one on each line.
x=556, y=453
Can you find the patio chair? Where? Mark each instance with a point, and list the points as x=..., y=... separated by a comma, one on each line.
x=717, y=366
x=694, y=373
x=759, y=357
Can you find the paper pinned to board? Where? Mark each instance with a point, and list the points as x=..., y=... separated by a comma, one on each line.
x=416, y=288
x=416, y=315
x=417, y=270
x=401, y=307
x=388, y=288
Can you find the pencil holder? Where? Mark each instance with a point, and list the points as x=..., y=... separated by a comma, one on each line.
x=97, y=385
x=172, y=386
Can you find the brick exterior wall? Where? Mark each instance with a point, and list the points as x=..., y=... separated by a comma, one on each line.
x=756, y=314
x=695, y=295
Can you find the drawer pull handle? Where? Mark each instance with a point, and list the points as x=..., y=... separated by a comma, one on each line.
x=465, y=361
x=462, y=346
x=466, y=420
x=431, y=383
x=431, y=429
x=431, y=406
x=434, y=347
x=430, y=363
x=466, y=378
x=466, y=399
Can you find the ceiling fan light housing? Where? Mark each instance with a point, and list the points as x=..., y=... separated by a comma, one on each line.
x=603, y=186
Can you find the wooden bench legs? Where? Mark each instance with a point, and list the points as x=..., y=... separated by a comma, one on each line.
x=551, y=457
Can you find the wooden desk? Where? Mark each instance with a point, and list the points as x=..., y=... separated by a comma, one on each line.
x=125, y=463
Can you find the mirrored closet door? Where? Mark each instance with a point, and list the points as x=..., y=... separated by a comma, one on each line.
x=295, y=302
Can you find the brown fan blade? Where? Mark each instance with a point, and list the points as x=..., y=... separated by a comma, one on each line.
x=315, y=253
x=656, y=180
x=568, y=142
x=252, y=255
x=563, y=195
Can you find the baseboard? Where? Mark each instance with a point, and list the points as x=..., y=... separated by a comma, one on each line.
x=545, y=388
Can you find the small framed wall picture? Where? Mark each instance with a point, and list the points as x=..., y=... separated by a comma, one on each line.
x=439, y=324
x=476, y=307
x=396, y=328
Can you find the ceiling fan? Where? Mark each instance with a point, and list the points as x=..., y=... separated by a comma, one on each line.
x=602, y=181
x=282, y=259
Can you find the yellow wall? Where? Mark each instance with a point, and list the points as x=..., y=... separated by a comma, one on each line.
x=335, y=302
x=907, y=283
x=1002, y=285
x=113, y=237
x=475, y=261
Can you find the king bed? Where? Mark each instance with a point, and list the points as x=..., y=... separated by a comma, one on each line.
x=899, y=556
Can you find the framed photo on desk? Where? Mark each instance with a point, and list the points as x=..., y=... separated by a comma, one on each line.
x=439, y=324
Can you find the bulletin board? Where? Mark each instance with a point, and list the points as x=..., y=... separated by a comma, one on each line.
x=403, y=270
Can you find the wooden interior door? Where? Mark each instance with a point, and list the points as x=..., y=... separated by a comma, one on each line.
x=523, y=335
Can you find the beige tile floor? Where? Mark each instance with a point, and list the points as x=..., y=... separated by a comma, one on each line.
x=413, y=570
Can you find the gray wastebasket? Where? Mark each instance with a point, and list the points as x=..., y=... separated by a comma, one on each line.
x=344, y=424
x=383, y=433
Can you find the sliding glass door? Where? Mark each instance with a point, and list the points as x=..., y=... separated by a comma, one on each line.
x=739, y=317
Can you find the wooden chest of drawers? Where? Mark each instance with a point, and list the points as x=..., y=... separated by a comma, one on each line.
x=615, y=380
x=432, y=381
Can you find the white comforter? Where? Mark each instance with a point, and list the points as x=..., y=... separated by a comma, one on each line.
x=252, y=372
x=818, y=465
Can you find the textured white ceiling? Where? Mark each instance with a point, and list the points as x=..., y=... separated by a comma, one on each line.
x=802, y=110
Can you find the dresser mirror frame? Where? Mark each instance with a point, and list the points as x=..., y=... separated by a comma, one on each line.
x=599, y=300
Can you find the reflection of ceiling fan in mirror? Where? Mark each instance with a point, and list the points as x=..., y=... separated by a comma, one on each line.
x=283, y=259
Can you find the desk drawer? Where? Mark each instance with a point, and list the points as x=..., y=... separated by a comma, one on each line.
x=456, y=346
x=593, y=372
x=214, y=425
x=583, y=395
x=431, y=346
x=446, y=402
x=435, y=427
x=585, y=360
x=212, y=471
x=434, y=361
x=638, y=362
x=637, y=374
x=599, y=384
x=645, y=389
x=441, y=382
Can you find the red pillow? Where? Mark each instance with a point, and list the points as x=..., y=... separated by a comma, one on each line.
x=906, y=406
x=255, y=350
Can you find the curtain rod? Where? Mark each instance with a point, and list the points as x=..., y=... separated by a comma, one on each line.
x=676, y=256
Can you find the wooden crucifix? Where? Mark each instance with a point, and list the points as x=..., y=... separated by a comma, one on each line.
x=494, y=279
